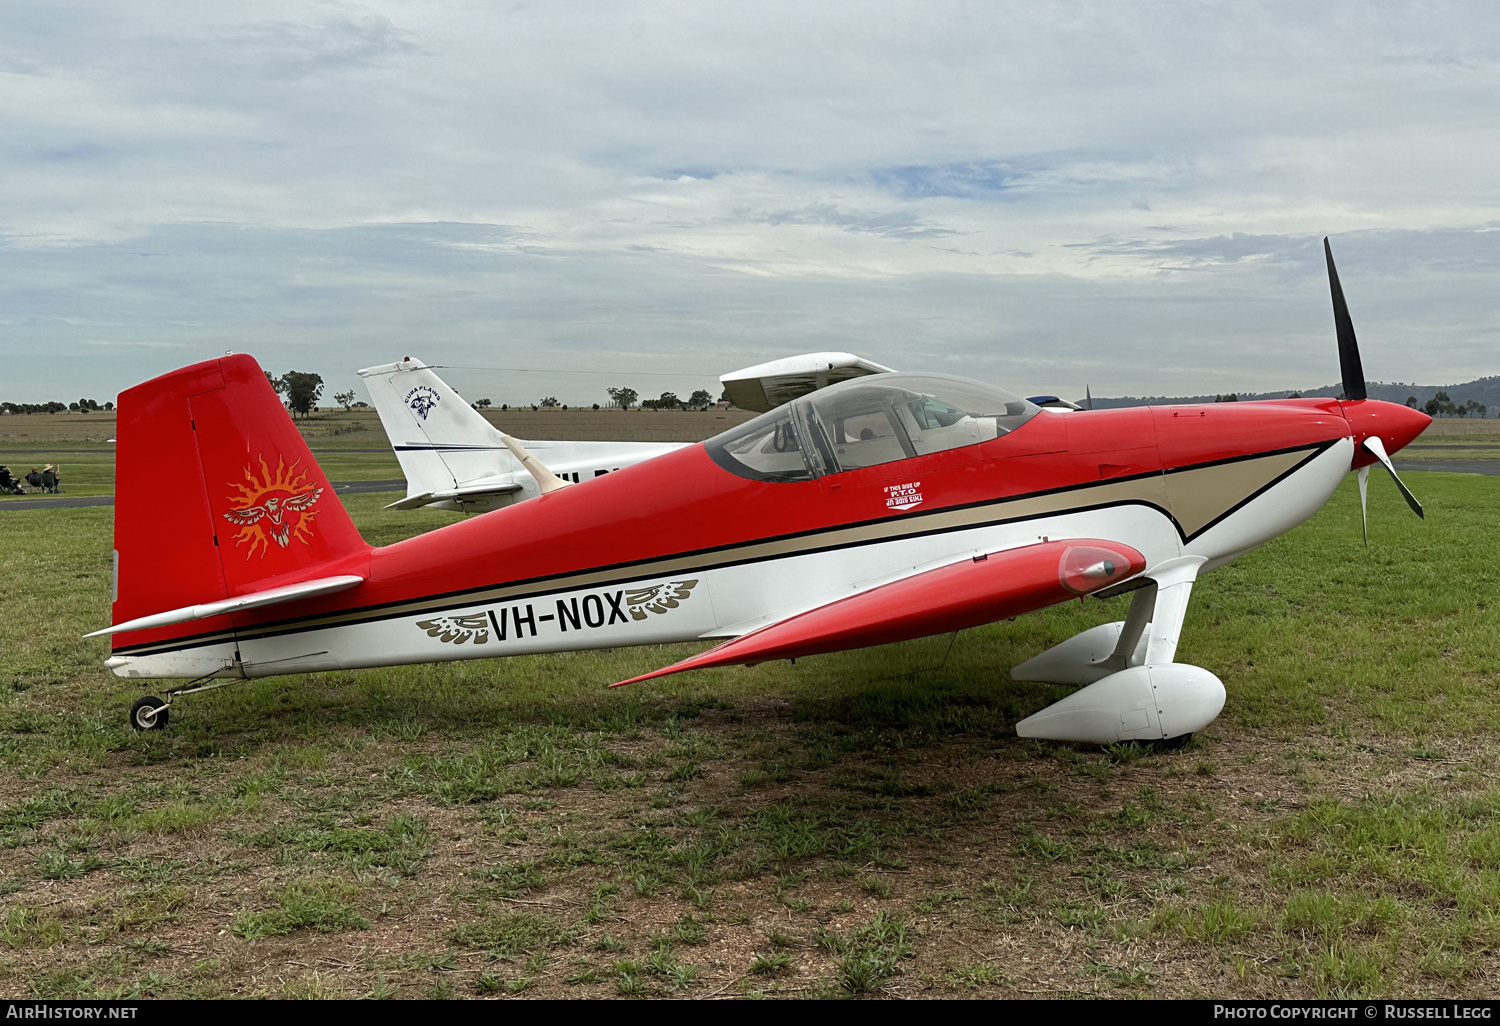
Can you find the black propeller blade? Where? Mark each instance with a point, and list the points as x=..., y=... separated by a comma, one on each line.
x=1352, y=371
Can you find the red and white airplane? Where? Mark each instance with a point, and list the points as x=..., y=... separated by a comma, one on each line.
x=884, y=508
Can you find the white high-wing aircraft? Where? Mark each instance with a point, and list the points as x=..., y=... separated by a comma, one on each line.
x=454, y=458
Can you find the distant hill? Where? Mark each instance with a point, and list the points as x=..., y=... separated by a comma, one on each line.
x=1481, y=390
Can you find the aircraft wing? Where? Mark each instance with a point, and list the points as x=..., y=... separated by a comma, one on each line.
x=768, y=385
x=975, y=590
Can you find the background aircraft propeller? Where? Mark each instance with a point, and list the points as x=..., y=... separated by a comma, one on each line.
x=1353, y=373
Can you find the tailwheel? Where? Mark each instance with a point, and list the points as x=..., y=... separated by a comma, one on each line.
x=149, y=713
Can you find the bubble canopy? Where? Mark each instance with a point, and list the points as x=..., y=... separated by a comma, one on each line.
x=866, y=422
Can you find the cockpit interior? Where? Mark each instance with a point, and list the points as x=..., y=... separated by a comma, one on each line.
x=868, y=421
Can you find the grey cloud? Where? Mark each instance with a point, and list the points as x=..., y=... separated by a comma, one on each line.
x=1381, y=251
x=78, y=151
x=335, y=300
x=966, y=181
x=1036, y=175
x=290, y=50
x=700, y=173
x=893, y=224
x=335, y=183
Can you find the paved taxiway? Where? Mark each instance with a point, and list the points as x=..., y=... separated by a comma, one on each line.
x=79, y=501
x=1490, y=468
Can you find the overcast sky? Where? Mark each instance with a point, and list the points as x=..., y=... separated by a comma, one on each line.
x=1041, y=195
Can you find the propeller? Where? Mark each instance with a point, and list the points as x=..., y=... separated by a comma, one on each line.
x=1376, y=448
x=1350, y=368
x=1364, y=507
x=1353, y=373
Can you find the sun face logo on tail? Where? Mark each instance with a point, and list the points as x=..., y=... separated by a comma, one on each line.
x=272, y=507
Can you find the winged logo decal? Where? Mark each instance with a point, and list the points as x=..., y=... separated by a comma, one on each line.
x=456, y=630
x=658, y=598
x=273, y=506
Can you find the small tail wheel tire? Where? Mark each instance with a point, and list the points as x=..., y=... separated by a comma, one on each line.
x=149, y=713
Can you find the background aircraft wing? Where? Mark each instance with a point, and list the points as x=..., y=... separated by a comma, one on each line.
x=975, y=590
x=768, y=385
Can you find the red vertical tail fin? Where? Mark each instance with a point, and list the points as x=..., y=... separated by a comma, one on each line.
x=217, y=495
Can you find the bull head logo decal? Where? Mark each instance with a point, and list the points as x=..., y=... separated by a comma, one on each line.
x=421, y=400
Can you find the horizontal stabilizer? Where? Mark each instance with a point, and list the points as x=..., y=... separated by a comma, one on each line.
x=974, y=591
x=472, y=493
x=269, y=597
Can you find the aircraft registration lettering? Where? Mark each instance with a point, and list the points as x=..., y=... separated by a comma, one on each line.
x=578, y=613
x=513, y=615
x=902, y=497
x=591, y=612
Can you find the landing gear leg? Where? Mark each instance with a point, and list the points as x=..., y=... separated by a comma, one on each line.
x=1156, y=700
x=151, y=713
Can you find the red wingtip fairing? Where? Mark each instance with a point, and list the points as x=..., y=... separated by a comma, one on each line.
x=217, y=495
x=1395, y=425
x=964, y=594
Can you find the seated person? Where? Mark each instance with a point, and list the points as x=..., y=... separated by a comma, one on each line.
x=49, y=478
x=34, y=478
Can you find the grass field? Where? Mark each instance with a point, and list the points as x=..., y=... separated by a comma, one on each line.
x=857, y=824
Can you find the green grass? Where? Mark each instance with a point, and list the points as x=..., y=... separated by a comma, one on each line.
x=856, y=824
x=500, y=933
x=319, y=905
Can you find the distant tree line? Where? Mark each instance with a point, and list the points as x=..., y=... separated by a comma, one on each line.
x=301, y=390
x=1440, y=405
x=625, y=398
x=81, y=406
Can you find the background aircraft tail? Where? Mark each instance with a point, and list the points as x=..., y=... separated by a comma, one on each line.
x=217, y=496
x=440, y=440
